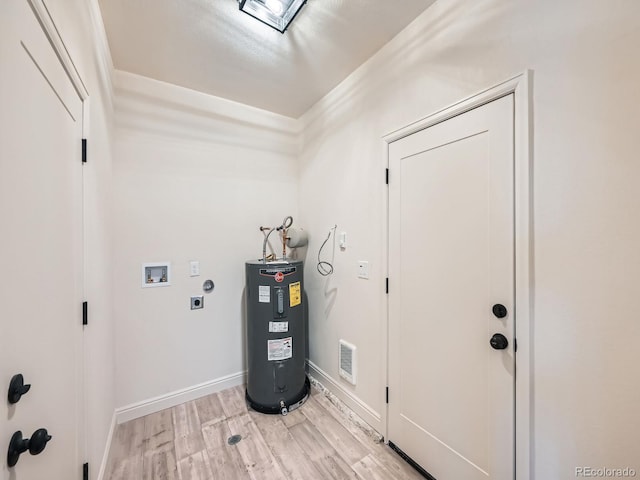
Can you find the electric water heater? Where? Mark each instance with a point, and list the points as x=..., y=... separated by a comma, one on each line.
x=275, y=336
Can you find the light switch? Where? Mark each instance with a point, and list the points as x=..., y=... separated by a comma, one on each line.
x=363, y=269
x=343, y=240
x=195, y=268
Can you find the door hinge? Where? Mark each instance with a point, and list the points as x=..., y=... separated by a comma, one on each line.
x=84, y=150
x=387, y=395
x=386, y=176
x=85, y=313
x=85, y=471
x=386, y=285
x=515, y=345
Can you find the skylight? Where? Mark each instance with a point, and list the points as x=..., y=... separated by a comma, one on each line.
x=277, y=14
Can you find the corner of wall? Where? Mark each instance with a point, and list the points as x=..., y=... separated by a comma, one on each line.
x=356, y=404
x=102, y=54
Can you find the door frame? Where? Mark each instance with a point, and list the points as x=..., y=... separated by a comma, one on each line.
x=521, y=86
x=52, y=32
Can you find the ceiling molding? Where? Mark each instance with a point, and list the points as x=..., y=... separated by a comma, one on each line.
x=173, y=112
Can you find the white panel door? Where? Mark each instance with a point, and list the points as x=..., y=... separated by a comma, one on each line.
x=451, y=259
x=40, y=248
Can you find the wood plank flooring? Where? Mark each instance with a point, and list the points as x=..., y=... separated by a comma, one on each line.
x=190, y=442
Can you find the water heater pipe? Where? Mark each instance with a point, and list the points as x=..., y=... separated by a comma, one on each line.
x=286, y=223
x=264, y=244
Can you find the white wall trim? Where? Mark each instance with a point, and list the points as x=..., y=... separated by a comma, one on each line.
x=469, y=103
x=101, y=50
x=51, y=31
x=107, y=448
x=153, y=405
x=525, y=274
x=359, y=407
x=521, y=86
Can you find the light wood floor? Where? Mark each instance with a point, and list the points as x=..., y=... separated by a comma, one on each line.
x=189, y=442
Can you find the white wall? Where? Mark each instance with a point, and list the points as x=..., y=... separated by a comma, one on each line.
x=80, y=26
x=195, y=176
x=586, y=260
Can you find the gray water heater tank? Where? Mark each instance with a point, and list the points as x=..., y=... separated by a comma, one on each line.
x=276, y=336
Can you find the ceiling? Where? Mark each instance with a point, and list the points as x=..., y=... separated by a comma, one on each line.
x=212, y=47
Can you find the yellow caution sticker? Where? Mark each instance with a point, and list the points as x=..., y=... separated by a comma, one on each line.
x=295, y=296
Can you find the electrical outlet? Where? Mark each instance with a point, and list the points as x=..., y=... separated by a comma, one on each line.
x=363, y=269
x=197, y=302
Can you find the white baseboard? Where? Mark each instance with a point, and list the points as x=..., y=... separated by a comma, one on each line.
x=107, y=448
x=153, y=405
x=360, y=408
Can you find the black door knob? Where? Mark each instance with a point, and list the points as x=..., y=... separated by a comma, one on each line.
x=499, y=310
x=18, y=445
x=17, y=388
x=499, y=341
x=38, y=441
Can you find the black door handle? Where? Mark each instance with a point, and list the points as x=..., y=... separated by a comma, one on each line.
x=17, y=388
x=499, y=341
x=499, y=310
x=18, y=445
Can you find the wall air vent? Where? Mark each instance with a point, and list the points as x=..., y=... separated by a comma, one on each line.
x=347, y=362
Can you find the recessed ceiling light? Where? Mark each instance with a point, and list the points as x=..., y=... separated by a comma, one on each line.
x=277, y=14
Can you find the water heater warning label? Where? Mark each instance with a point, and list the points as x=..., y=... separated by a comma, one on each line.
x=280, y=349
x=295, y=298
x=278, y=327
x=264, y=294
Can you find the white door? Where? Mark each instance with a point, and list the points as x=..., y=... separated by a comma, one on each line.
x=451, y=249
x=40, y=248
